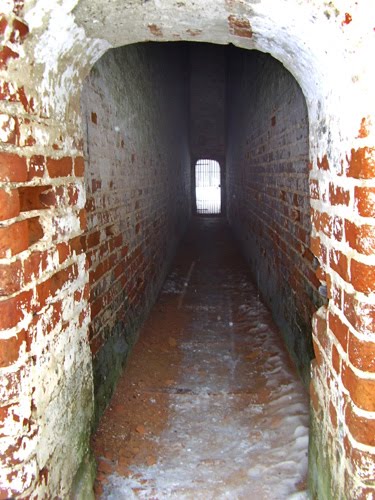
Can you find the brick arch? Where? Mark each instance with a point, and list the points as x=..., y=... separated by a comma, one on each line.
x=44, y=317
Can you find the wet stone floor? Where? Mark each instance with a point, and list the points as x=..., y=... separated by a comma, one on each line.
x=209, y=406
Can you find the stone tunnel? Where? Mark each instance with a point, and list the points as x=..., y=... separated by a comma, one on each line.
x=105, y=111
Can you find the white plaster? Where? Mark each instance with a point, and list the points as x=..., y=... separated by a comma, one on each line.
x=6, y=127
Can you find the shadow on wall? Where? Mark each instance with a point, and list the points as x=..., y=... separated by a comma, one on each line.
x=135, y=107
x=268, y=193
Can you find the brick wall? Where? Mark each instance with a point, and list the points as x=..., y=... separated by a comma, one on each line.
x=268, y=192
x=134, y=106
x=46, y=50
x=342, y=451
x=45, y=372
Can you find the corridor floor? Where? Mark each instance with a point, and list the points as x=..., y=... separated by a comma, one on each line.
x=209, y=406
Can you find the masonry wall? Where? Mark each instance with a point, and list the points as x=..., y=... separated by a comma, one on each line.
x=45, y=363
x=135, y=109
x=46, y=51
x=268, y=192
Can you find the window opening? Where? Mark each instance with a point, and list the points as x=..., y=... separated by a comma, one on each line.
x=207, y=187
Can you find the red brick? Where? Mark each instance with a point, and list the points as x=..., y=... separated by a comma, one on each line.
x=93, y=239
x=362, y=163
x=362, y=354
x=31, y=197
x=96, y=307
x=362, y=463
x=339, y=329
x=361, y=238
x=35, y=265
x=49, y=288
x=361, y=389
x=62, y=167
x=365, y=200
x=339, y=262
x=79, y=166
x=13, y=310
x=37, y=167
x=318, y=353
x=76, y=245
x=10, y=278
x=9, y=204
x=63, y=251
x=83, y=219
x=336, y=359
x=14, y=238
x=338, y=195
x=323, y=163
x=361, y=428
x=35, y=230
x=3, y=24
x=363, y=276
x=13, y=168
x=9, y=348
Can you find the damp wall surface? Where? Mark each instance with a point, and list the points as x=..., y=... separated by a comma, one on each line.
x=135, y=111
x=268, y=192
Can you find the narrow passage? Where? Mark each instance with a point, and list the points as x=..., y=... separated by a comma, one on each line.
x=209, y=406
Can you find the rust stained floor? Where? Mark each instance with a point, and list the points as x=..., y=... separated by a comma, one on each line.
x=209, y=406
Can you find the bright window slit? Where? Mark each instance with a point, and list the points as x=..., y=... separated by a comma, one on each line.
x=207, y=187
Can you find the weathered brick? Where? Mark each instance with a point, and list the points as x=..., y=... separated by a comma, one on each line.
x=9, y=204
x=361, y=428
x=361, y=353
x=361, y=389
x=338, y=195
x=10, y=278
x=14, y=309
x=36, y=167
x=365, y=200
x=363, y=276
x=10, y=348
x=14, y=238
x=33, y=197
x=362, y=163
x=338, y=261
x=61, y=167
x=360, y=237
x=339, y=329
x=79, y=166
x=13, y=168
